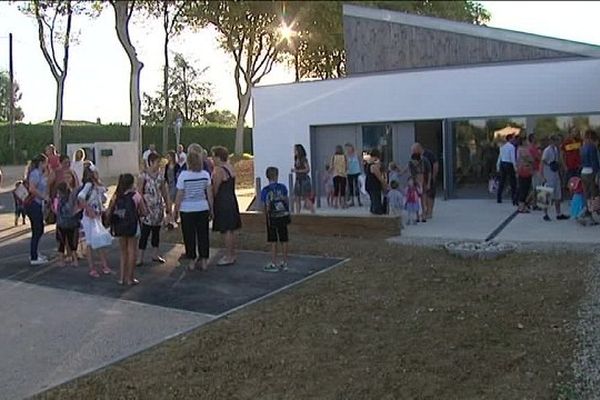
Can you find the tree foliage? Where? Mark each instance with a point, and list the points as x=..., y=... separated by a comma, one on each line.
x=221, y=117
x=189, y=96
x=317, y=49
x=248, y=30
x=5, y=96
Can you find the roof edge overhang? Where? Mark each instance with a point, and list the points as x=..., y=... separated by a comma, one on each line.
x=504, y=35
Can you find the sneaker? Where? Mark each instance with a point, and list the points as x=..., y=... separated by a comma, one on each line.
x=547, y=218
x=283, y=266
x=270, y=267
x=39, y=261
x=42, y=257
x=562, y=217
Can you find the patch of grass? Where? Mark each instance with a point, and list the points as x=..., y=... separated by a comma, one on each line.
x=393, y=322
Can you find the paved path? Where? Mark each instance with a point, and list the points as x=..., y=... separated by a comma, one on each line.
x=58, y=323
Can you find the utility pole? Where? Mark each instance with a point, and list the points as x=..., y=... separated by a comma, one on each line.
x=11, y=100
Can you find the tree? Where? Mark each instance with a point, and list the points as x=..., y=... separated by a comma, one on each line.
x=221, y=117
x=4, y=98
x=190, y=97
x=54, y=20
x=248, y=30
x=169, y=11
x=317, y=50
x=123, y=12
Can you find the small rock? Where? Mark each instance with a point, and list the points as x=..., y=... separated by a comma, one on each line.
x=520, y=326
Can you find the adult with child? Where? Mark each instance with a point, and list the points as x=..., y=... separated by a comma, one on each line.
x=227, y=218
x=375, y=182
x=92, y=197
x=194, y=205
x=590, y=167
x=339, y=164
x=551, y=175
x=153, y=189
x=275, y=198
x=525, y=168
x=507, y=167
x=302, y=185
x=126, y=208
x=354, y=170
x=37, y=185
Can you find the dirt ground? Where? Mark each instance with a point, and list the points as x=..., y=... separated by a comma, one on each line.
x=393, y=322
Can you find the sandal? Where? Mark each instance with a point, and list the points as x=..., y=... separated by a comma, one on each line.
x=133, y=282
x=94, y=274
x=159, y=259
x=225, y=261
x=106, y=270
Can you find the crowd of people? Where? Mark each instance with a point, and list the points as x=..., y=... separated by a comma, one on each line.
x=541, y=175
x=187, y=190
x=395, y=190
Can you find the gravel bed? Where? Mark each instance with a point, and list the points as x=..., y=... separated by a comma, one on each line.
x=586, y=366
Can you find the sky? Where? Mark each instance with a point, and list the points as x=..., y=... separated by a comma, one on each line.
x=98, y=77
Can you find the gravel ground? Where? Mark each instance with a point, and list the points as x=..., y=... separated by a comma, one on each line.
x=587, y=360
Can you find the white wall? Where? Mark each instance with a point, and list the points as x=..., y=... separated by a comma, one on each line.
x=283, y=114
x=125, y=157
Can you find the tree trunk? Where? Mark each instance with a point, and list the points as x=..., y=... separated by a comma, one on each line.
x=243, y=105
x=58, y=114
x=122, y=16
x=165, y=128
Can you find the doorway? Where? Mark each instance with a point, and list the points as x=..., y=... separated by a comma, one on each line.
x=429, y=134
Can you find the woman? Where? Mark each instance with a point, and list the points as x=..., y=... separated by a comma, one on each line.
x=92, y=198
x=171, y=173
x=152, y=187
x=227, y=212
x=375, y=182
x=302, y=186
x=590, y=167
x=77, y=164
x=37, y=182
x=525, y=164
x=194, y=204
x=339, y=164
x=353, y=174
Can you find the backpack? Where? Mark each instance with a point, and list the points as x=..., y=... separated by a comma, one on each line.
x=66, y=217
x=278, y=207
x=124, y=217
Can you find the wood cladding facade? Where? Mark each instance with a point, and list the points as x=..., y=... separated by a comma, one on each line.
x=377, y=46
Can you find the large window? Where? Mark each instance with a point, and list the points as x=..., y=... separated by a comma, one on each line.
x=378, y=137
x=476, y=144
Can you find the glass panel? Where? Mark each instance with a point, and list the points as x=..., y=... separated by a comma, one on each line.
x=378, y=137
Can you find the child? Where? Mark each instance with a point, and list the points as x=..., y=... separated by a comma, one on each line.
x=67, y=221
x=328, y=184
x=394, y=173
x=577, y=200
x=19, y=206
x=395, y=199
x=413, y=201
x=152, y=187
x=125, y=209
x=277, y=212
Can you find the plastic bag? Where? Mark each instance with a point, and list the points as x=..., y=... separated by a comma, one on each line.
x=100, y=237
x=362, y=184
x=544, y=196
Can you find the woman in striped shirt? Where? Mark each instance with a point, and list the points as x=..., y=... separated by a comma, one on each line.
x=194, y=204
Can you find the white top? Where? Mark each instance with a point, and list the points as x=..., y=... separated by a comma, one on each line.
x=508, y=153
x=181, y=158
x=77, y=168
x=195, y=185
x=94, y=196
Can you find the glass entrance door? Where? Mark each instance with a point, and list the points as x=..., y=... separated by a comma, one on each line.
x=378, y=137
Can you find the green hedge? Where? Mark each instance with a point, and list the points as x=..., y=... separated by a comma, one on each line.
x=31, y=139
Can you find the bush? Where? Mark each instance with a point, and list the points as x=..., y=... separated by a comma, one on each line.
x=31, y=139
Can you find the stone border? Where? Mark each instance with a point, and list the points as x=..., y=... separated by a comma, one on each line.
x=479, y=250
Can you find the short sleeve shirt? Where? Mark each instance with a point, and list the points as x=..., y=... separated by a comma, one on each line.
x=195, y=185
x=571, y=148
x=272, y=190
x=37, y=178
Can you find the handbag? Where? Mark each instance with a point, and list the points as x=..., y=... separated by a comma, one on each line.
x=49, y=215
x=100, y=237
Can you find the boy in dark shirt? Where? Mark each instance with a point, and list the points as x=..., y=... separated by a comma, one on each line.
x=277, y=212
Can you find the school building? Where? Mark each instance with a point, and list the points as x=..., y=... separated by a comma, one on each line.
x=451, y=86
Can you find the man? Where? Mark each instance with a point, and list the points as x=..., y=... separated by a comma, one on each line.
x=53, y=157
x=571, y=153
x=507, y=162
x=151, y=149
x=429, y=195
x=181, y=157
x=551, y=176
